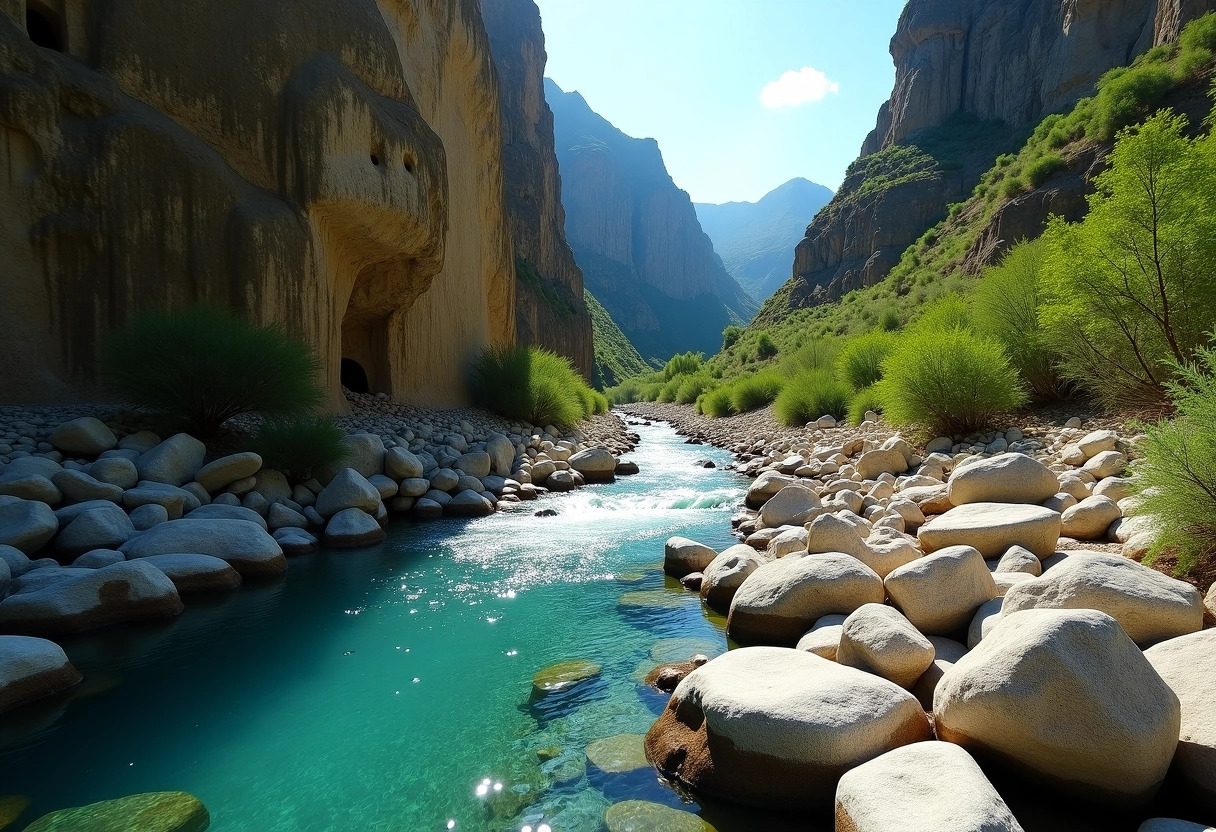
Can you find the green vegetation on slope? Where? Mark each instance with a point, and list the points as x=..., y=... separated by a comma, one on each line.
x=615, y=357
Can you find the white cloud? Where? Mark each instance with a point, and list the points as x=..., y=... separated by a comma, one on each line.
x=794, y=89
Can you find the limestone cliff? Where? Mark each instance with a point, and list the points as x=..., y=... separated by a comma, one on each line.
x=637, y=239
x=331, y=165
x=550, y=310
x=970, y=76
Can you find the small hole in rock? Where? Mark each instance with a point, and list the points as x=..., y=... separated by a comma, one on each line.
x=42, y=30
x=375, y=160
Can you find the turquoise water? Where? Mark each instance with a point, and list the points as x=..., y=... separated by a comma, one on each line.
x=377, y=689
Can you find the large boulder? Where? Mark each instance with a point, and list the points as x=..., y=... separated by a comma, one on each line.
x=878, y=639
x=946, y=653
x=923, y=787
x=726, y=573
x=196, y=573
x=501, y=452
x=993, y=528
x=400, y=464
x=780, y=600
x=823, y=639
x=80, y=487
x=174, y=461
x=475, y=464
x=104, y=527
x=1090, y=518
x=791, y=506
x=222, y=512
x=595, y=464
x=348, y=489
x=154, y=812
x=126, y=591
x=352, y=528
x=27, y=525
x=223, y=472
x=940, y=593
x=86, y=436
x=766, y=486
x=1008, y=478
x=244, y=545
x=776, y=728
x=31, y=668
x=115, y=471
x=1148, y=605
x=31, y=487
x=682, y=556
x=1067, y=697
x=1188, y=666
x=1173, y=825
x=469, y=503
x=363, y=452
x=873, y=464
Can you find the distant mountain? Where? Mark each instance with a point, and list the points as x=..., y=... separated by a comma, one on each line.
x=756, y=240
x=636, y=237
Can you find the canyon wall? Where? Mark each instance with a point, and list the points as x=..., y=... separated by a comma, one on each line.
x=637, y=239
x=334, y=166
x=550, y=310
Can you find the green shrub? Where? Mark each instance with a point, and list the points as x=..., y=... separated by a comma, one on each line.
x=1126, y=96
x=691, y=388
x=754, y=392
x=593, y=401
x=815, y=354
x=529, y=384
x=765, y=348
x=948, y=312
x=889, y=322
x=860, y=362
x=716, y=403
x=810, y=395
x=299, y=445
x=1005, y=306
x=1196, y=45
x=950, y=381
x=1177, y=480
x=864, y=401
x=730, y=336
x=683, y=365
x=196, y=368
x=667, y=393
x=1042, y=168
x=1012, y=187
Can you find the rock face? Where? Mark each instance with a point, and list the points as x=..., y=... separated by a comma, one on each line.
x=776, y=728
x=637, y=239
x=338, y=171
x=550, y=310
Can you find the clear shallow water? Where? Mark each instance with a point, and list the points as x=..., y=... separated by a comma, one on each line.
x=376, y=689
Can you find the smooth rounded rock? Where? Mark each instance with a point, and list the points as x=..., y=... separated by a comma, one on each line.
x=1007, y=478
x=146, y=516
x=32, y=668
x=879, y=640
x=823, y=639
x=115, y=471
x=619, y=754
x=872, y=464
x=26, y=525
x=682, y=556
x=992, y=528
x=1019, y=559
x=791, y=506
x=104, y=527
x=726, y=573
x=86, y=436
x=174, y=461
x=218, y=512
x=154, y=812
x=196, y=573
x=940, y=593
x=469, y=503
x=78, y=486
x=97, y=558
x=1188, y=666
x=1173, y=825
x=644, y=816
x=562, y=676
x=595, y=464
x=1090, y=518
x=946, y=653
x=244, y=545
x=348, y=489
x=765, y=486
x=217, y=475
x=789, y=542
x=352, y=528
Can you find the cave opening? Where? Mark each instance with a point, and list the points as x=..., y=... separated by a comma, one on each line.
x=354, y=377
x=42, y=28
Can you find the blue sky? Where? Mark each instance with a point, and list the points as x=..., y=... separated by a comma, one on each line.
x=693, y=75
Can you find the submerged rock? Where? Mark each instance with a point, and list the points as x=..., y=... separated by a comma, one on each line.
x=561, y=677
x=616, y=755
x=154, y=812
x=643, y=816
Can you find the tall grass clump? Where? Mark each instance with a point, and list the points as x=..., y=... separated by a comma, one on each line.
x=864, y=401
x=691, y=388
x=1005, y=306
x=683, y=365
x=953, y=382
x=1177, y=480
x=860, y=362
x=531, y=385
x=299, y=445
x=196, y=368
x=808, y=396
x=716, y=404
x=765, y=346
x=754, y=392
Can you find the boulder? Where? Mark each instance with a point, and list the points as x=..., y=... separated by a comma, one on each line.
x=595, y=464
x=1019, y=559
x=126, y=591
x=791, y=506
x=765, y=487
x=726, y=573
x=1090, y=518
x=172, y=501
x=31, y=668
x=115, y=471
x=940, y=593
x=400, y=464
x=426, y=509
x=985, y=618
x=788, y=542
x=923, y=787
x=97, y=558
x=618, y=754
x=104, y=527
x=1105, y=464
x=244, y=545
x=946, y=653
x=879, y=640
x=1006, y=581
x=667, y=676
x=823, y=639
x=352, y=528
x=625, y=469
x=17, y=561
x=139, y=442
x=992, y=528
x=776, y=728
x=80, y=487
x=148, y=515
x=413, y=487
x=445, y=479
x=502, y=454
x=223, y=472
x=196, y=573
x=386, y=486
x=1173, y=825
x=872, y=464
x=296, y=541
x=86, y=436
x=832, y=533
x=1149, y=605
x=1188, y=666
x=221, y=512
x=272, y=485
x=27, y=525
x=363, y=452
x=1068, y=698
x=561, y=677
x=27, y=465
x=174, y=461
x=475, y=464
x=560, y=481
x=280, y=516
x=682, y=556
x=154, y=812
x=1007, y=478
x=779, y=601
x=469, y=503
x=31, y=487
x=644, y=816
x=348, y=489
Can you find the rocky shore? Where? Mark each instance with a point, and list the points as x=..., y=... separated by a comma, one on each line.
x=919, y=625
x=103, y=521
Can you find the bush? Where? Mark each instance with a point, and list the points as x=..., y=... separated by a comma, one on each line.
x=683, y=365
x=944, y=314
x=197, y=368
x=1125, y=96
x=730, y=336
x=810, y=395
x=299, y=445
x=1005, y=306
x=815, y=354
x=754, y=392
x=889, y=322
x=691, y=388
x=531, y=385
x=716, y=404
x=860, y=363
x=1042, y=168
x=1129, y=292
x=765, y=348
x=593, y=401
x=1176, y=480
x=1197, y=46
x=950, y=382
x=864, y=401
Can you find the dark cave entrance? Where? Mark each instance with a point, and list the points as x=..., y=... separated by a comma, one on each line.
x=354, y=377
x=41, y=25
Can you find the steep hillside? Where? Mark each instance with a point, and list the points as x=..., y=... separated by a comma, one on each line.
x=637, y=239
x=549, y=308
x=615, y=358
x=756, y=240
